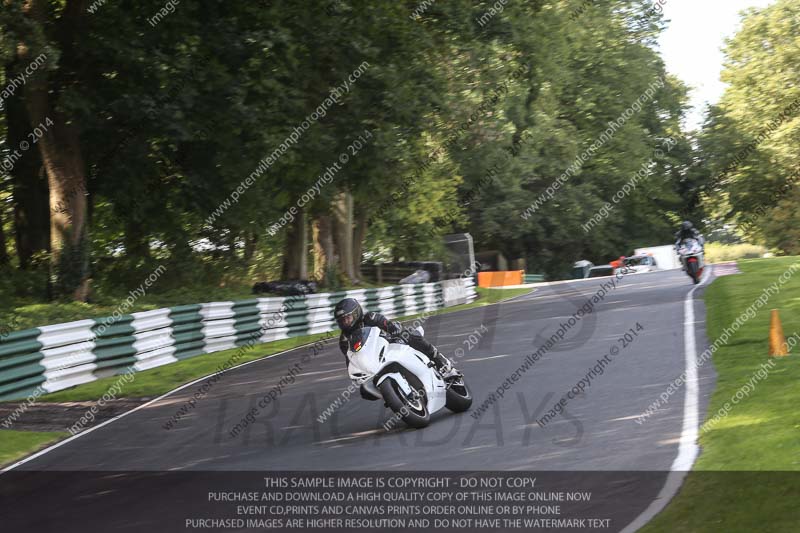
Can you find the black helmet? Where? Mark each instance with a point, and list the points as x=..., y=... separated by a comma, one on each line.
x=687, y=226
x=348, y=314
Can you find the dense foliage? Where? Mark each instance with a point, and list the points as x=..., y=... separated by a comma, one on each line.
x=274, y=138
x=750, y=141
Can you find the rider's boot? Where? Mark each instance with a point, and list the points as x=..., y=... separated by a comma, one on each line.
x=443, y=364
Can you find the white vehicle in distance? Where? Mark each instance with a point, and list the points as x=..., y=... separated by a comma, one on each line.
x=602, y=271
x=639, y=264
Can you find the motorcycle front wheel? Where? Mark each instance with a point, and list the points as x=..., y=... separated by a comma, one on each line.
x=459, y=398
x=412, y=411
x=692, y=270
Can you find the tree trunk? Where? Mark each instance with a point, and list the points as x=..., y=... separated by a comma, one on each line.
x=59, y=147
x=3, y=251
x=250, y=242
x=359, y=232
x=319, y=256
x=65, y=175
x=31, y=203
x=295, y=259
x=135, y=240
x=324, y=250
x=232, y=237
x=31, y=214
x=343, y=233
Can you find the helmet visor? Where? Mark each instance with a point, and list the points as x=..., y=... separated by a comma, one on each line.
x=346, y=321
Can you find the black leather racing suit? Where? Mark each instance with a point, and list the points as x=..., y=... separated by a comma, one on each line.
x=689, y=234
x=395, y=331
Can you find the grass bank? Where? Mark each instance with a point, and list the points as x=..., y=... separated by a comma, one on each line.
x=717, y=252
x=747, y=477
x=22, y=313
x=17, y=444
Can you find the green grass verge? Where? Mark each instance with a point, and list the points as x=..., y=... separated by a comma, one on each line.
x=17, y=444
x=490, y=296
x=717, y=252
x=760, y=436
x=162, y=379
x=23, y=313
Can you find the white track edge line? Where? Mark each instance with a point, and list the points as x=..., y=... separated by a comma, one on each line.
x=154, y=400
x=126, y=413
x=687, y=449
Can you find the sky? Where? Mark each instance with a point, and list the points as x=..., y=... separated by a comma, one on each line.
x=692, y=46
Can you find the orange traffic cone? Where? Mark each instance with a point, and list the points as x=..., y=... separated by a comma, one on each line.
x=777, y=342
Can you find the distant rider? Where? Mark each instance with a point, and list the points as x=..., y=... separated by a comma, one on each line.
x=688, y=231
x=350, y=317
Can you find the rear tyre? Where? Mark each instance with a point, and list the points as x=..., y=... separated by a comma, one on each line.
x=414, y=412
x=458, y=398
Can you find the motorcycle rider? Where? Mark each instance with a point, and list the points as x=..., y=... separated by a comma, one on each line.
x=350, y=317
x=688, y=231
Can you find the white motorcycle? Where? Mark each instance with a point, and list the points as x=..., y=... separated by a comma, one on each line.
x=693, y=259
x=404, y=378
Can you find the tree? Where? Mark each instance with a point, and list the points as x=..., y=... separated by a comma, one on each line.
x=749, y=142
x=43, y=30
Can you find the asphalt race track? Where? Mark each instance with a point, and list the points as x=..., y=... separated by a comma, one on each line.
x=134, y=475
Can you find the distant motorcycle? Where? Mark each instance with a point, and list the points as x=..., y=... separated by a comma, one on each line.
x=404, y=378
x=692, y=257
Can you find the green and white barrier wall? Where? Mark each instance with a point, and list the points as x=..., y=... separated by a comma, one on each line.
x=52, y=358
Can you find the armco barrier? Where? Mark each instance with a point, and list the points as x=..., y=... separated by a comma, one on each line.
x=533, y=278
x=63, y=355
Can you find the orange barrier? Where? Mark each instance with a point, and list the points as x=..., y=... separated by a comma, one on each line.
x=777, y=342
x=500, y=278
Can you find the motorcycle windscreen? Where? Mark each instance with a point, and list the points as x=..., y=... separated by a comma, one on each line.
x=365, y=352
x=690, y=246
x=359, y=338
